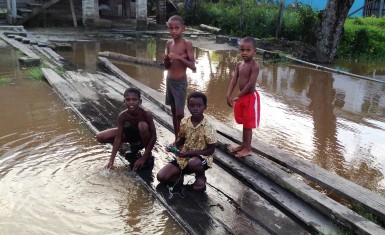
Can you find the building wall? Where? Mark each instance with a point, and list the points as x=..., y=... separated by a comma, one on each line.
x=321, y=4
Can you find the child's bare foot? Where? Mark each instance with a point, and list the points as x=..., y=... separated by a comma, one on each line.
x=235, y=149
x=243, y=153
x=199, y=184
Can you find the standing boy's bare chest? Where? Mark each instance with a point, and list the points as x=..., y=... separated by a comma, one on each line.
x=244, y=70
x=178, y=48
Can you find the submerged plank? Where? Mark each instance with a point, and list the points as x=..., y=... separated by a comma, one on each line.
x=316, y=199
x=210, y=212
x=357, y=194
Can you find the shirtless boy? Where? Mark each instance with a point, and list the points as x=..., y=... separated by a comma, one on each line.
x=178, y=56
x=246, y=103
x=135, y=126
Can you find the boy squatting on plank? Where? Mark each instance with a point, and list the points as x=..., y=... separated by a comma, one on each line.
x=135, y=126
x=196, y=139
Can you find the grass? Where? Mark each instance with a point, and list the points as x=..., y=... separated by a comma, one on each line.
x=4, y=80
x=35, y=73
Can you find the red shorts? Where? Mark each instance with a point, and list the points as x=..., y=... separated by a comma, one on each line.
x=247, y=110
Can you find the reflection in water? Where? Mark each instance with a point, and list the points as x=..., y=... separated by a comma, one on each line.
x=332, y=120
x=50, y=169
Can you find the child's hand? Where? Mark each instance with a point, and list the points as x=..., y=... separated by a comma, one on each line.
x=109, y=165
x=230, y=101
x=174, y=56
x=165, y=56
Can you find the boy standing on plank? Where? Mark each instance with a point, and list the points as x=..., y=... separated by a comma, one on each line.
x=178, y=56
x=246, y=103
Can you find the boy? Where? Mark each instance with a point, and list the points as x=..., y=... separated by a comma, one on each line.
x=178, y=56
x=246, y=103
x=197, y=136
x=135, y=126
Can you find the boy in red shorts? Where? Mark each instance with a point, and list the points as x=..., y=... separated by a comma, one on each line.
x=246, y=103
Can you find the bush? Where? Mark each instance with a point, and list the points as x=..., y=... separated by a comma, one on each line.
x=363, y=38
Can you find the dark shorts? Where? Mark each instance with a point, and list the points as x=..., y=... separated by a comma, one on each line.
x=176, y=92
x=131, y=133
x=186, y=170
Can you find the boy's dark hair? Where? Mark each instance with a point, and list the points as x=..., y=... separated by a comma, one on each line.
x=176, y=18
x=250, y=40
x=132, y=90
x=198, y=95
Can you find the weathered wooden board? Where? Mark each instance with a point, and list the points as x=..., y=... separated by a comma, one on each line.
x=130, y=59
x=318, y=200
x=350, y=191
x=215, y=211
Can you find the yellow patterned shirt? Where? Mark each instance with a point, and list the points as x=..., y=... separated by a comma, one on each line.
x=197, y=138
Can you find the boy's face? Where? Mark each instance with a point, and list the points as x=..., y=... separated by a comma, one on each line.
x=132, y=101
x=196, y=107
x=176, y=28
x=247, y=50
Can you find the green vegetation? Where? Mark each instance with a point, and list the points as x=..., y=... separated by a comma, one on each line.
x=4, y=80
x=35, y=73
x=260, y=20
x=367, y=215
x=363, y=38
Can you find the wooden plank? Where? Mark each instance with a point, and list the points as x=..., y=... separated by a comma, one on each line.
x=130, y=59
x=19, y=46
x=200, y=211
x=315, y=198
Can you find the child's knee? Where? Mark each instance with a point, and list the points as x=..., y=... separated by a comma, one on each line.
x=195, y=164
x=143, y=127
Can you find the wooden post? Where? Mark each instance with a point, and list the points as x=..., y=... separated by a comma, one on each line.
x=381, y=8
x=73, y=14
x=13, y=12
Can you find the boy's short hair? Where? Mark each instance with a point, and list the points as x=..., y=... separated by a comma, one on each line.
x=250, y=40
x=176, y=18
x=198, y=95
x=131, y=90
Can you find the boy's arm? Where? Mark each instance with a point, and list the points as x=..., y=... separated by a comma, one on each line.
x=232, y=85
x=117, y=142
x=166, y=59
x=152, y=130
x=190, y=63
x=209, y=150
x=252, y=81
x=151, y=142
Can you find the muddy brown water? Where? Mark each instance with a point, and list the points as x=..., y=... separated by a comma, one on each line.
x=50, y=164
x=51, y=177
x=332, y=120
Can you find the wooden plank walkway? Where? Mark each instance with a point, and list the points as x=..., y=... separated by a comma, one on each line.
x=215, y=211
x=276, y=202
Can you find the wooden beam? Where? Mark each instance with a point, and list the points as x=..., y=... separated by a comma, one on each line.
x=73, y=14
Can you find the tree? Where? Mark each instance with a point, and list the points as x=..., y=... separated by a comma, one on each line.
x=330, y=28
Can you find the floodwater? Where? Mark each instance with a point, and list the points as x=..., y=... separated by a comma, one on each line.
x=50, y=163
x=332, y=120
x=51, y=177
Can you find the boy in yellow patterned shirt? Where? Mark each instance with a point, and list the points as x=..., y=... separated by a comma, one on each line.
x=197, y=136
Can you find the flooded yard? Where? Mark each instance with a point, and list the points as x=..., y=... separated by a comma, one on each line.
x=51, y=165
x=51, y=173
x=332, y=120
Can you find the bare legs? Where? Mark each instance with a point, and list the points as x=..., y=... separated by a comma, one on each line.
x=108, y=136
x=245, y=148
x=177, y=115
x=172, y=173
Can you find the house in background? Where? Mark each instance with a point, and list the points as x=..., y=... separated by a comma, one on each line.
x=359, y=8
